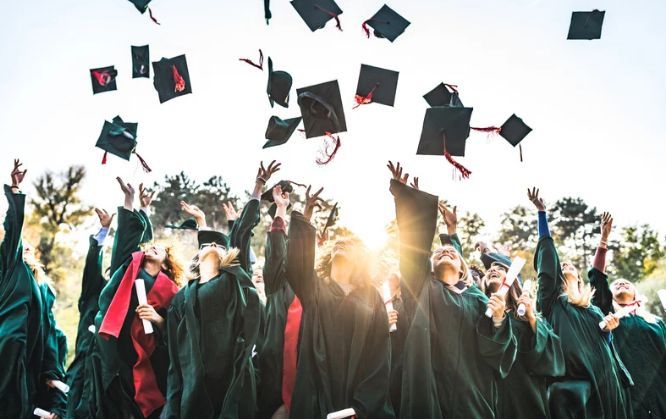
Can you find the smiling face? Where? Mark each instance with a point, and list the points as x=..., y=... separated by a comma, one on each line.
x=155, y=253
x=623, y=291
x=494, y=278
x=445, y=258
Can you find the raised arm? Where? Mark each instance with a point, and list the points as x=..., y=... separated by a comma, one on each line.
x=92, y=282
x=416, y=215
x=275, y=265
x=145, y=199
x=451, y=220
x=602, y=298
x=130, y=232
x=11, y=252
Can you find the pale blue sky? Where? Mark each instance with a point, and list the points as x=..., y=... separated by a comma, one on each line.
x=597, y=107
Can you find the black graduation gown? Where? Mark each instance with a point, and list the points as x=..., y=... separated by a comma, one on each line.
x=92, y=283
x=344, y=357
x=593, y=383
x=641, y=345
x=452, y=351
x=21, y=311
x=212, y=330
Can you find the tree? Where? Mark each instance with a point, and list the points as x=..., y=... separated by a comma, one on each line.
x=518, y=229
x=574, y=227
x=469, y=227
x=637, y=254
x=56, y=204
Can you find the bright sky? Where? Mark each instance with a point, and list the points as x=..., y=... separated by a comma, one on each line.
x=597, y=108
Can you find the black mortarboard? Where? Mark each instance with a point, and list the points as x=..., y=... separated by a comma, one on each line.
x=321, y=108
x=279, y=130
x=103, y=79
x=279, y=86
x=376, y=85
x=443, y=95
x=189, y=224
x=172, y=79
x=586, y=25
x=212, y=236
x=316, y=13
x=445, y=128
x=141, y=5
x=118, y=138
x=140, y=61
x=386, y=23
x=514, y=130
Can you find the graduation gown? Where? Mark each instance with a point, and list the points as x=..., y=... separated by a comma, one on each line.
x=282, y=308
x=592, y=386
x=452, y=351
x=92, y=283
x=212, y=330
x=21, y=319
x=113, y=359
x=642, y=347
x=344, y=358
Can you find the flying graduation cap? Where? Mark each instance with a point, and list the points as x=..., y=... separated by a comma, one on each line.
x=444, y=95
x=279, y=86
x=119, y=138
x=444, y=133
x=140, y=61
x=514, y=130
x=280, y=130
x=376, y=85
x=386, y=24
x=172, y=78
x=103, y=79
x=142, y=6
x=316, y=13
x=586, y=25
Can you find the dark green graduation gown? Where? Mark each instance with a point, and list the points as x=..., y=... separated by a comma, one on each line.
x=642, y=347
x=113, y=359
x=344, y=358
x=593, y=383
x=212, y=330
x=21, y=334
x=452, y=351
x=92, y=283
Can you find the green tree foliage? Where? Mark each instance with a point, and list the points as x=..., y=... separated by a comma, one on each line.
x=469, y=228
x=518, y=229
x=575, y=224
x=637, y=253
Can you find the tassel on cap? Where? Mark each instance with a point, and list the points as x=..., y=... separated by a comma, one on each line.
x=260, y=66
x=327, y=156
x=150, y=13
x=179, y=81
x=331, y=14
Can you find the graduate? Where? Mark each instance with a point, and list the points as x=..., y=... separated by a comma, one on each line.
x=78, y=401
x=344, y=358
x=594, y=380
x=214, y=322
x=640, y=338
x=279, y=351
x=452, y=352
x=129, y=365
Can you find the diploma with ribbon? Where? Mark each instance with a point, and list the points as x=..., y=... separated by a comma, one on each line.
x=388, y=301
x=342, y=414
x=141, y=296
x=516, y=265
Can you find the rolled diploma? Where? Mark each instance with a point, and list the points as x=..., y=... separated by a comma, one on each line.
x=41, y=413
x=386, y=295
x=662, y=297
x=619, y=314
x=60, y=386
x=516, y=265
x=141, y=296
x=527, y=288
x=341, y=414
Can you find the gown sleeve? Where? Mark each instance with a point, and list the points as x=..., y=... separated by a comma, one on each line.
x=602, y=298
x=497, y=345
x=174, y=374
x=241, y=232
x=93, y=280
x=300, y=258
x=11, y=249
x=131, y=230
x=148, y=226
x=275, y=265
x=52, y=368
x=543, y=351
x=453, y=240
x=549, y=273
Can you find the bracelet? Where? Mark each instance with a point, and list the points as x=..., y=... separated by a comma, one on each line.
x=603, y=244
x=260, y=179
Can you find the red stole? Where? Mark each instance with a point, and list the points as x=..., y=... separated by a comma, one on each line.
x=290, y=350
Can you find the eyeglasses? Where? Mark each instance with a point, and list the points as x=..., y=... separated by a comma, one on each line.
x=212, y=244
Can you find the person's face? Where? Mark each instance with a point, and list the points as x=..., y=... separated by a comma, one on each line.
x=210, y=250
x=155, y=253
x=494, y=277
x=623, y=290
x=446, y=257
x=568, y=268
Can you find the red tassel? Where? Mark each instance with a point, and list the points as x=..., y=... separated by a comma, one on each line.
x=489, y=130
x=464, y=172
x=179, y=81
x=260, y=66
x=331, y=14
x=104, y=157
x=146, y=168
x=328, y=156
x=453, y=87
x=364, y=100
x=520, y=150
x=150, y=13
x=103, y=78
x=365, y=28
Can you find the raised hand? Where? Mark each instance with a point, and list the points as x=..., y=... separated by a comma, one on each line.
x=450, y=217
x=498, y=306
x=482, y=247
x=145, y=196
x=396, y=172
x=104, y=218
x=230, y=212
x=17, y=174
x=312, y=202
x=606, y=226
x=281, y=198
x=194, y=212
x=533, y=196
x=415, y=183
x=265, y=173
x=129, y=192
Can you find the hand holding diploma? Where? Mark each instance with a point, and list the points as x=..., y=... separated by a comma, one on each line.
x=516, y=265
x=388, y=301
x=146, y=312
x=44, y=414
x=527, y=289
x=57, y=384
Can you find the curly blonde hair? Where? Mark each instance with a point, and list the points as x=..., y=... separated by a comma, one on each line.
x=354, y=251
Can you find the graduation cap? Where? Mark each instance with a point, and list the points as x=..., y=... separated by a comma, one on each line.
x=386, y=24
x=316, y=13
x=140, y=61
x=445, y=131
x=444, y=95
x=321, y=108
x=267, y=11
x=212, y=236
x=376, y=85
x=189, y=224
x=267, y=196
x=103, y=79
x=119, y=138
x=141, y=5
x=279, y=86
x=586, y=25
x=172, y=79
x=279, y=130
x=514, y=130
